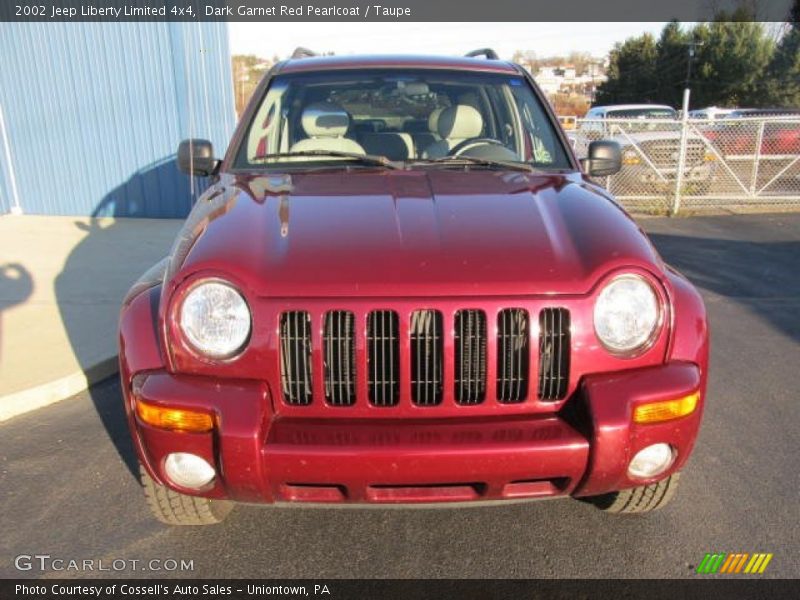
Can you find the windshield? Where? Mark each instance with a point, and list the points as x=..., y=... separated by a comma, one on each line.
x=414, y=116
x=642, y=113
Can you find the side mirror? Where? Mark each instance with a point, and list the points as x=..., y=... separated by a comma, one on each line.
x=196, y=157
x=605, y=158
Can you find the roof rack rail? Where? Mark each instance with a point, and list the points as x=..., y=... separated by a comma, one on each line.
x=487, y=52
x=301, y=52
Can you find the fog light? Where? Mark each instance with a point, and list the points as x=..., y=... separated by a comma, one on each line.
x=188, y=470
x=630, y=157
x=651, y=461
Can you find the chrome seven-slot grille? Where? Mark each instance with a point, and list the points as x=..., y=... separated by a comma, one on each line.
x=427, y=358
x=663, y=153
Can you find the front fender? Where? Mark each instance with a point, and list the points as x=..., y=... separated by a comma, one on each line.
x=139, y=351
x=690, y=335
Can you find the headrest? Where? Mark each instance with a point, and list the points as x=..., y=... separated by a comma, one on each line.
x=433, y=120
x=415, y=88
x=323, y=119
x=460, y=122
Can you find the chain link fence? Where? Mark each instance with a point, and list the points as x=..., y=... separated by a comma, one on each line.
x=670, y=166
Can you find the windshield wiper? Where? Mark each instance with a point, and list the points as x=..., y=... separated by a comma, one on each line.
x=474, y=160
x=367, y=159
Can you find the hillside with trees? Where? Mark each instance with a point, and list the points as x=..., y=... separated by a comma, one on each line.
x=737, y=62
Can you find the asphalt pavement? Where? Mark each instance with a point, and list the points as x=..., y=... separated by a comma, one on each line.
x=67, y=490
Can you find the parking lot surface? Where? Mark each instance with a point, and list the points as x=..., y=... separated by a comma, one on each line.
x=67, y=489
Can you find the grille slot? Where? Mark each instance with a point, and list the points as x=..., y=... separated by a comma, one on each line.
x=664, y=153
x=513, y=355
x=340, y=361
x=470, y=356
x=426, y=357
x=383, y=358
x=554, y=349
x=295, y=330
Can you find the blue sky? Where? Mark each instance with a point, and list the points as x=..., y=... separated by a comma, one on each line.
x=545, y=39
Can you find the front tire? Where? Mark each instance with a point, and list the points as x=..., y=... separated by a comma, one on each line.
x=641, y=499
x=173, y=508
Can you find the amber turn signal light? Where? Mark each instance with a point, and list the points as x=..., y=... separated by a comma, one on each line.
x=666, y=410
x=174, y=419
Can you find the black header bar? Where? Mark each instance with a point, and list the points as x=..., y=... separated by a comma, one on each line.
x=386, y=11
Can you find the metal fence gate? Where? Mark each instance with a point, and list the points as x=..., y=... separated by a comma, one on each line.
x=673, y=166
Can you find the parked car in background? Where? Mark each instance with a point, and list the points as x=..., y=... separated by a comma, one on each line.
x=760, y=145
x=711, y=113
x=632, y=111
x=777, y=130
x=403, y=287
x=568, y=122
x=650, y=138
x=766, y=112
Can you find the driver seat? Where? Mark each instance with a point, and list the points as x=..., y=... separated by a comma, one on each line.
x=455, y=125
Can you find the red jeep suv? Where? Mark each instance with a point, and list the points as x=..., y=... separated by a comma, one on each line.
x=402, y=287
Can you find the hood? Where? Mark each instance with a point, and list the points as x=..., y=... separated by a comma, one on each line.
x=416, y=233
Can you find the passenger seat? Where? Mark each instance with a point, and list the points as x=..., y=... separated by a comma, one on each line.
x=326, y=124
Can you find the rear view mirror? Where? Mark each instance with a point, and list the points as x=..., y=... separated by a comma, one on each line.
x=196, y=157
x=605, y=158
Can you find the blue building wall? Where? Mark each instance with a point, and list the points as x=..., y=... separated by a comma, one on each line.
x=94, y=113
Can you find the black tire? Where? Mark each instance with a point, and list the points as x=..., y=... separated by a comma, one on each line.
x=173, y=508
x=639, y=499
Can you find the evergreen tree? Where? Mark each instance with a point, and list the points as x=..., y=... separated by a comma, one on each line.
x=783, y=76
x=631, y=73
x=736, y=64
x=671, y=63
x=731, y=63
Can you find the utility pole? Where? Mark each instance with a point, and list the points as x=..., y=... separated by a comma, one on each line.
x=676, y=204
x=686, y=89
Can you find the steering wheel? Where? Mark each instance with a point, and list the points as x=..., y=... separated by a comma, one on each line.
x=462, y=147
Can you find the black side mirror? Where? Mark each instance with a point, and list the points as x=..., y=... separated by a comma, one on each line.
x=196, y=157
x=605, y=158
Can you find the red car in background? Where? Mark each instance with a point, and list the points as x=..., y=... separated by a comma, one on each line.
x=760, y=147
x=402, y=287
x=779, y=130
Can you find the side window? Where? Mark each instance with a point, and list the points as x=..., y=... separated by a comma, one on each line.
x=264, y=136
x=544, y=147
x=500, y=109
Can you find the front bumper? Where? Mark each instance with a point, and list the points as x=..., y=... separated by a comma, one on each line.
x=584, y=449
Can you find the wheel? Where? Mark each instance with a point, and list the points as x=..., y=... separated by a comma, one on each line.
x=639, y=499
x=173, y=508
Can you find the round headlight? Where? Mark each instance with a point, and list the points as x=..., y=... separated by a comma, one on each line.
x=215, y=319
x=626, y=314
